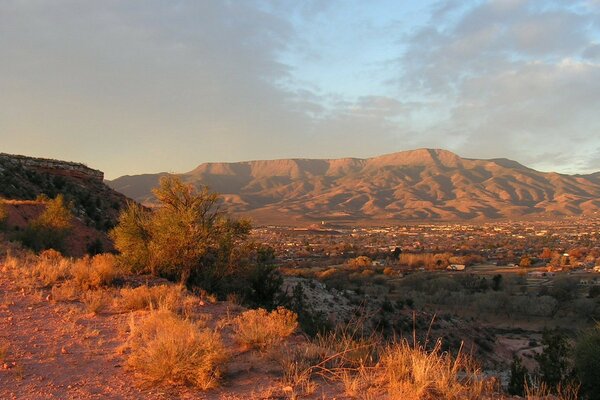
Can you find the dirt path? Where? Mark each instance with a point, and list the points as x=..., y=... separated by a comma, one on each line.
x=57, y=351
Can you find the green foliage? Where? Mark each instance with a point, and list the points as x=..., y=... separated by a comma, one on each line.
x=497, y=282
x=131, y=237
x=519, y=376
x=564, y=288
x=51, y=228
x=587, y=362
x=263, y=281
x=189, y=239
x=311, y=321
x=554, y=360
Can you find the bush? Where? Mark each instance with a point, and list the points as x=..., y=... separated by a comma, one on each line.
x=49, y=269
x=188, y=239
x=166, y=348
x=51, y=228
x=261, y=330
x=98, y=271
x=408, y=372
x=553, y=361
x=587, y=362
x=168, y=297
x=519, y=377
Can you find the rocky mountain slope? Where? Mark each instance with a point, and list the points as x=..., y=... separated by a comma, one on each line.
x=423, y=184
x=26, y=178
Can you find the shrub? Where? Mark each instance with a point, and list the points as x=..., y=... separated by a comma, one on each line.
x=169, y=297
x=96, y=301
x=519, y=377
x=51, y=228
x=100, y=270
x=49, y=269
x=261, y=330
x=587, y=362
x=166, y=348
x=411, y=372
x=188, y=238
x=553, y=361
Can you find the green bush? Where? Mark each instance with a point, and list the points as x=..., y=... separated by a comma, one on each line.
x=189, y=239
x=587, y=362
x=51, y=228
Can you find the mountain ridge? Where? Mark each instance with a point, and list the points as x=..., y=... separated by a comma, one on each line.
x=422, y=184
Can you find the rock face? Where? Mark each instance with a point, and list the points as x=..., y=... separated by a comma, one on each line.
x=26, y=178
x=423, y=184
x=54, y=167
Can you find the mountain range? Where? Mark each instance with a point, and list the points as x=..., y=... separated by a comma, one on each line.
x=423, y=185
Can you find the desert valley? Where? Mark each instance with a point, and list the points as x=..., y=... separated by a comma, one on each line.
x=300, y=200
x=485, y=267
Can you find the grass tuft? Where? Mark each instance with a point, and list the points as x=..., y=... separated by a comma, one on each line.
x=167, y=348
x=261, y=330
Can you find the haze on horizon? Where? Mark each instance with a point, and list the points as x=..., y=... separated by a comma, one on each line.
x=138, y=87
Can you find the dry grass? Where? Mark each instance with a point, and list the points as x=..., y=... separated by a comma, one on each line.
x=540, y=391
x=67, y=291
x=49, y=269
x=96, y=301
x=368, y=368
x=261, y=330
x=98, y=271
x=411, y=372
x=170, y=297
x=166, y=348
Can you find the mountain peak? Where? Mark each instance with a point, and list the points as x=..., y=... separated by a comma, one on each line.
x=421, y=184
x=419, y=157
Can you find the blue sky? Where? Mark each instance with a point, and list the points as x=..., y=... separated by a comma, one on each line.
x=132, y=87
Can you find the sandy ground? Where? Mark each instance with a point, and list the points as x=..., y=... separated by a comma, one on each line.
x=57, y=351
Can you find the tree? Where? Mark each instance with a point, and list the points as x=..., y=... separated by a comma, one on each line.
x=587, y=362
x=553, y=361
x=497, y=282
x=131, y=237
x=192, y=239
x=189, y=239
x=51, y=228
x=519, y=376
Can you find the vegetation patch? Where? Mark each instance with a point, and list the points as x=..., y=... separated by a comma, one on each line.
x=166, y=348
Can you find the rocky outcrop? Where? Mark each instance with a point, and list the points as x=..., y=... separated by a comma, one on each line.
x=54, y=167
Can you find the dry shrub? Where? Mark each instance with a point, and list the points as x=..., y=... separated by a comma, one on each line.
x=49, y=269
x=67, y=291
x=540, y=391
x=166, y=348
x=174, y=298
x=96, y=301
x=98, y=271
x=411, y=372
x=260, y=329
x=297, y=365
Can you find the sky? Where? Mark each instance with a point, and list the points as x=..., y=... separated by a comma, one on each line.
x=132, y=87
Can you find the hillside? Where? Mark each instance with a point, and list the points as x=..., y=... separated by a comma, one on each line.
x=26, y=178
x=423, y=184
